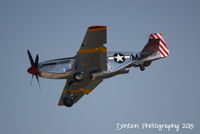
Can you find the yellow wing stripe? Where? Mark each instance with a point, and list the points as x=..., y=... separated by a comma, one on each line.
x=73, y=91
x=93, y=50
x=82, y=90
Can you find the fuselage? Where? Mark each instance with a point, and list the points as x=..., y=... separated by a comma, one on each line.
x=117, y=63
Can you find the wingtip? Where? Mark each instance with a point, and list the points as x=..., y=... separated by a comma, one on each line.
x=96, y=28
x=60, y=104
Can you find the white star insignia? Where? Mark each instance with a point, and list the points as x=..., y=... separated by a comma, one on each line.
x=119, y=58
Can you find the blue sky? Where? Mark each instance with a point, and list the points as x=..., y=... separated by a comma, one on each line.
x=166, y=92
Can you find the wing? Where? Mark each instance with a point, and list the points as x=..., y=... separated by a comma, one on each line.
x=90, y=58
x=78, y=90
x=92, y=53
x=94, y=37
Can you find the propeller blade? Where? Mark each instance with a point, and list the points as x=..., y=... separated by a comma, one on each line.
x=30, y=58
x=36, y=60
x=34, y=67
x=38, y=80
x=32, y=79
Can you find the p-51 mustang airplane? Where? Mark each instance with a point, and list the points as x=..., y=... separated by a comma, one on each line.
x=93, y=63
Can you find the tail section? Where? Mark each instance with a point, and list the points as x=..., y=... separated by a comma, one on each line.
x=155, y=45
x=155, y=48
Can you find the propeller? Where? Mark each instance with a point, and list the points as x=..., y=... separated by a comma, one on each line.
x=34, y=67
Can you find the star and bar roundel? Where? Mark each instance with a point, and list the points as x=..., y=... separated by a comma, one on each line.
x=119, y=57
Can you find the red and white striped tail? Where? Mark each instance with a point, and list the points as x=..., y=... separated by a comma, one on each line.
x=162, y=49
x=155, y=44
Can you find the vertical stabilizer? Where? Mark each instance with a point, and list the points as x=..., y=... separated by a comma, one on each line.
x=155, y=44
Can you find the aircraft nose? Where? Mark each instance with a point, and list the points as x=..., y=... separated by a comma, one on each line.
x=33, y=70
